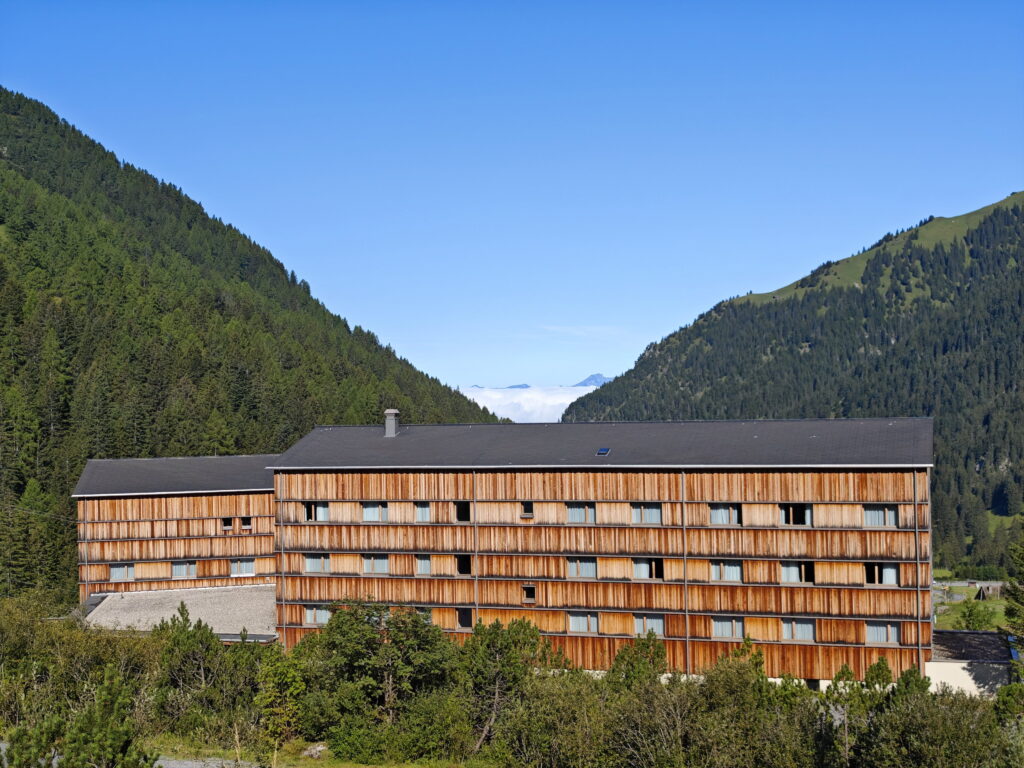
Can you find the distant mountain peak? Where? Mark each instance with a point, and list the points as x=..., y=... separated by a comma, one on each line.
x=594, y=380
x=518, y=386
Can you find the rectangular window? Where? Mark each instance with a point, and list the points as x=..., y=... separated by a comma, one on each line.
x=464, y=618
x=422, y=512
x=244, y=567
x=879, y=517
x=526, y=510
x=375, y=512
x=464, y=565
x=648, y=568
x=582, y=621
x=582, y=567
x=580, y=513
x=122, y=572
x=646, y=514
x=881, y=573
x=649, y=622
x=529, y=593
x=795, y=514
x=422, y=565
x=726, y=514
x=246, y=523
x=183, y=569
x=798, y=572
x=226, y=524
x=727, y=627
x=883, y=632
x=462, y=511
x=317, y=511
x=726, y=570
x=317, y=615
x=375, y=563
x=798, y=629
x=318, y=563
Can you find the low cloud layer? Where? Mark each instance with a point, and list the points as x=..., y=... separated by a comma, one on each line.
x=535, y=404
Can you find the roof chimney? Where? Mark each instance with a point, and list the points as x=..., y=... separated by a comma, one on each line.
x=390, y=422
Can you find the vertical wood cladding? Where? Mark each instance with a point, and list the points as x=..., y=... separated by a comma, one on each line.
x=477, y=569
x=151, y=533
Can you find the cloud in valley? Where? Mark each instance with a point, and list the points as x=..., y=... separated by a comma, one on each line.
x=531, y=404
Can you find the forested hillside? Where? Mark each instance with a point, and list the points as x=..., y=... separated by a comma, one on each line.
x=928, y=322
x=132, y=323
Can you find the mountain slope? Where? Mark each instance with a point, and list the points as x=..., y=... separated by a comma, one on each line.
x=134, y=324
x=925, y=323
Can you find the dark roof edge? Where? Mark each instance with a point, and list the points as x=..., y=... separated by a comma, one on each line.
x=553, y=467
x=170, y=493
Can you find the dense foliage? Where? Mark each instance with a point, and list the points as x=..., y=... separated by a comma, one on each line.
x=378, y=685
x=929, y=325
x=134, y=324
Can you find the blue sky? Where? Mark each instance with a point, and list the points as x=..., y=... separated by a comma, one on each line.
x=533, y=192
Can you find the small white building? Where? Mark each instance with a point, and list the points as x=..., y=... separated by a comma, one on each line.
x=975, y=662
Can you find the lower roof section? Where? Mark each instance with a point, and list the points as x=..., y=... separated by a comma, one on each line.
x=167, y=477
x=228, y=610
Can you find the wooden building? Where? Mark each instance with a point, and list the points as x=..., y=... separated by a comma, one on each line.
x=175, y=523
x=812, y=537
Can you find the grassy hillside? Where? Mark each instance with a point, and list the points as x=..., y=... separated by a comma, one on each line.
x=132, y=323
x=927, y=322
x=849, y=272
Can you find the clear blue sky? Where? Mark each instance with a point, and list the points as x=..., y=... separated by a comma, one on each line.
x=532, y=192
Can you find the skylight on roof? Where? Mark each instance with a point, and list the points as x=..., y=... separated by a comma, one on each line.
x=603, y=451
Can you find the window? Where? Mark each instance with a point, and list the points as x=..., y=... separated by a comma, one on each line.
x=529, y=593
x=318, y=563
x=122, y=572
x=317, y=511
x=375, y=512
x=464, y=618
x=795, y=514
x=422, y=512
x=580, y=513
x=647, y=514
x=726, y=514
x=462, y=511
x=798, y=629
x=244, y=567
x=582, y=621
x=881, y=573
x=527, y=510
x=317, y=615
x=879, y=517
x=422, y=565
x=183, y=569
x=648, y=568
x=375, y=563
x=582, y=567
x=246, y=523
x=798, y=572
x=726, y=570
x=464, y=565
x=226, y=524
x=649, y=622
x=730, y=626
x=883, y=632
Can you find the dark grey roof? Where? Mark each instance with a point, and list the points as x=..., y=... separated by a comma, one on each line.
x=899, y=442
x=968, y=645
x=194, y=474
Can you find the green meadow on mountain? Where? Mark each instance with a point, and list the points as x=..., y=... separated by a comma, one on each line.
x=927, y=322
x=133, y=323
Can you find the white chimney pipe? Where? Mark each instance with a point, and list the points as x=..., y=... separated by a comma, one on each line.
x=390, y=422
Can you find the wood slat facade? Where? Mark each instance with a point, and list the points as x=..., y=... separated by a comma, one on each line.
x=588, y=584
x=796, y=560
x=131, y=543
